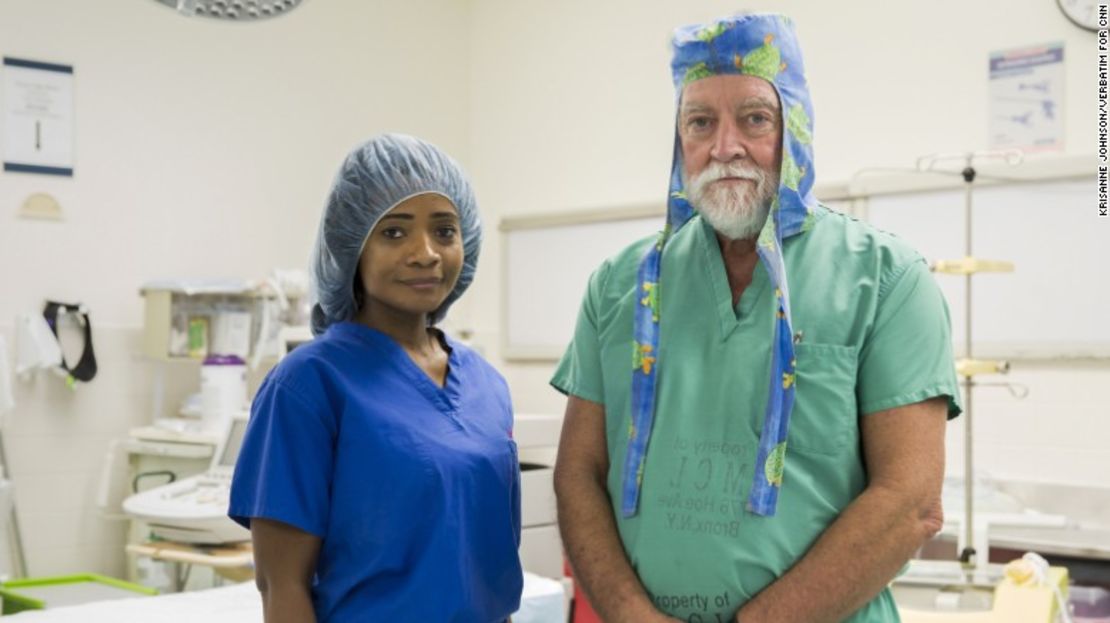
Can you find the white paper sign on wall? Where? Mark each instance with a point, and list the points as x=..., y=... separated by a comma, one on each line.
x=1026, y=98
x=38, y=117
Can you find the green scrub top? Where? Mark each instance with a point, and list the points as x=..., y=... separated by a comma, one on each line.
x=874, y=335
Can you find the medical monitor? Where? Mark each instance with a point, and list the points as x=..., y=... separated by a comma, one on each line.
x=228, y=450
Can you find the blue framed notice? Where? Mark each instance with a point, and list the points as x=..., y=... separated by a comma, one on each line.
x=38, y=117
x=1027, y=98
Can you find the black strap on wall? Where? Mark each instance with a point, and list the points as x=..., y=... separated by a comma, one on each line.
x=85, y=369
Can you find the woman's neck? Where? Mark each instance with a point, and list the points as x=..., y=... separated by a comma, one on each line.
x=408, y=330
x=412, y=333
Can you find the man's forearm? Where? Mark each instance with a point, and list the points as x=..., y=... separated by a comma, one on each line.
x=849, y=564
x=591, y=541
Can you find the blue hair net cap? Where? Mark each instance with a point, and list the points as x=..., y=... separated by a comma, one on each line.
x=375, y=177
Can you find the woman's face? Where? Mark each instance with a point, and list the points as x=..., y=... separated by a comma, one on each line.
x=414, y=256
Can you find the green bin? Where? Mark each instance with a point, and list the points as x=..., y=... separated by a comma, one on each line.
x=66, y=590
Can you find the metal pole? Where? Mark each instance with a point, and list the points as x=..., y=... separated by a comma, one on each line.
x=14, y=535
x=969, y=553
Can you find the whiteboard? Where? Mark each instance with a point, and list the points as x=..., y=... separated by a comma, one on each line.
x=1056, y=302
x=545, y=272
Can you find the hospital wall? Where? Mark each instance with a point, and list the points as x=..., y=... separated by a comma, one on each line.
x=203, y=149
x=572, y=110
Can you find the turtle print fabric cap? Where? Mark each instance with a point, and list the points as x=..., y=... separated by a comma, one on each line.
x=765, y=46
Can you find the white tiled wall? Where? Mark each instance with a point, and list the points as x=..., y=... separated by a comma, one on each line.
x=56, y=441
x=1060, y=432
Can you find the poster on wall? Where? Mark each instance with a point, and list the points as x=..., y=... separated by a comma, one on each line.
x=38, y=117
x=1026, y=105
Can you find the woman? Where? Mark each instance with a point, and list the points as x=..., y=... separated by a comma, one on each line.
x=378, y=475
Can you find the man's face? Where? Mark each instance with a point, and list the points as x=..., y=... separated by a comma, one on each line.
x=730, y=127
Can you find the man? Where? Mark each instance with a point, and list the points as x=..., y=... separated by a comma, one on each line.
x=774, y=452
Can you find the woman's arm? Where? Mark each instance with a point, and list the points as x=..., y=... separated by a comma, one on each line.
x=284, y=563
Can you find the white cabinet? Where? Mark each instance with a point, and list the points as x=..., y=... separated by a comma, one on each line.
x=541, y=549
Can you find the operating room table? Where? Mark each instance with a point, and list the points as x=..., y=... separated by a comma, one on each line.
x=542, y=602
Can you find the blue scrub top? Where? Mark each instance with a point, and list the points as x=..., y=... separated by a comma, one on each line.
x=414, y=489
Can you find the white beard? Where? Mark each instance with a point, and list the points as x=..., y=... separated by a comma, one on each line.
x=736, y=211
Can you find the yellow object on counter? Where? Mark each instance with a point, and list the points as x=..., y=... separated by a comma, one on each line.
x=971, y=265
x=1020, y=572
x=1017, y=599
x=973, y=367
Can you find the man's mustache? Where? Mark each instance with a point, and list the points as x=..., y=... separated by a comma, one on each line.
x=721, y=171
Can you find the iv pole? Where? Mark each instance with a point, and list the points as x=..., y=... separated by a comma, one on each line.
x=967, y=556
x=968, y=367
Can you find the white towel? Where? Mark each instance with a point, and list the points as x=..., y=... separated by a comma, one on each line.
x=36, y=345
